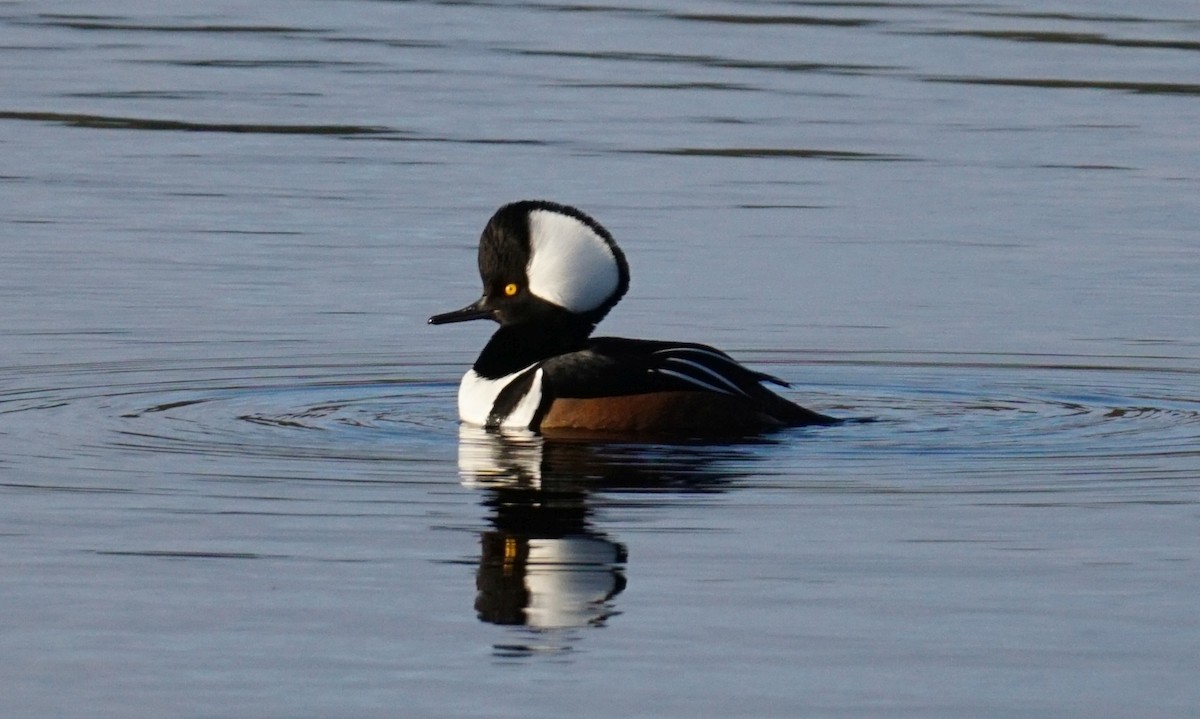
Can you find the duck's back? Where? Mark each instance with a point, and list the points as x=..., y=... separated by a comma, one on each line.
x=645, y=386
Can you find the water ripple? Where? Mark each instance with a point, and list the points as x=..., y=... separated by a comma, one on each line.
x=1051, y=83
x=787, y=66
x=776, y=152
x=143, y=123
x=959, y=418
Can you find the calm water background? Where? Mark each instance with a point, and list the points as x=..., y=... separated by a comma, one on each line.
x=231, y=478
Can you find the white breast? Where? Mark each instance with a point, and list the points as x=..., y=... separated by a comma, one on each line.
x=477, y=396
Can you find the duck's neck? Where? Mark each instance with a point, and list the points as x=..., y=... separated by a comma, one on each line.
x=515, y=347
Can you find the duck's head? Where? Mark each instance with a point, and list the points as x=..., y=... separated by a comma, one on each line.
x=539, y=260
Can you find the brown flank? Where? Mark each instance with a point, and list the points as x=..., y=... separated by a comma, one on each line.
x=658, y=412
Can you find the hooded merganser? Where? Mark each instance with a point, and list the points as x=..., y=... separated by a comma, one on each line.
x=550, y=274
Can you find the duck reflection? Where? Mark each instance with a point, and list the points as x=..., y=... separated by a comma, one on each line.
x=544, y=564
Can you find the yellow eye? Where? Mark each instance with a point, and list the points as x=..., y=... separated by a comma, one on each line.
x=510, y=289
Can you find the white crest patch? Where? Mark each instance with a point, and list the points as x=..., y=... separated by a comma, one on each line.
x=569, y=264
x=477, y=395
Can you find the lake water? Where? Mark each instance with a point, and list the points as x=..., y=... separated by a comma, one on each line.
x=232, y=482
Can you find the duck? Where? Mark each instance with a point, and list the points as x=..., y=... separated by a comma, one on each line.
x=550, y=274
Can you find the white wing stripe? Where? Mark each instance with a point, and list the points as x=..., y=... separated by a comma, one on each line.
x=693, y=380
x=694, y=351
x=708, y=371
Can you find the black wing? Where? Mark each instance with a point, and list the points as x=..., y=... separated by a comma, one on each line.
x=614, y=366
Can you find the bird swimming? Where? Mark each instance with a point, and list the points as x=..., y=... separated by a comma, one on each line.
x=550, y=274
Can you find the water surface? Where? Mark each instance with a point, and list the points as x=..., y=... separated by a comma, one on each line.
x=232, y=481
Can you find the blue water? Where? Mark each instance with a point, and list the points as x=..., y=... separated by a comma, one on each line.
x=232, y=482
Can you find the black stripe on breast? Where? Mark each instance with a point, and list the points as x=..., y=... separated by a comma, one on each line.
x=509, y=397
